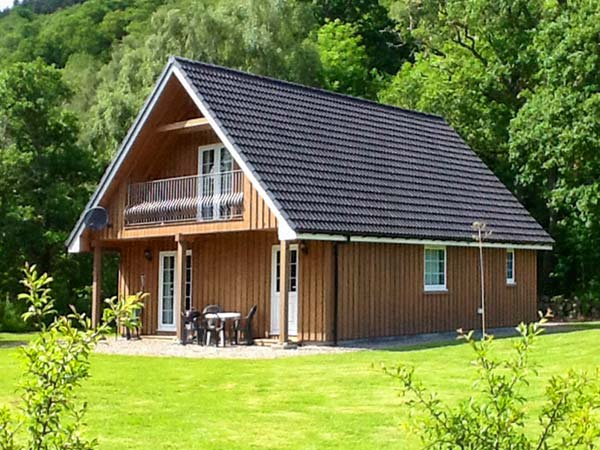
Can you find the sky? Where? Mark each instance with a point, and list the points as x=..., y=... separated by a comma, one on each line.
x=5, y=3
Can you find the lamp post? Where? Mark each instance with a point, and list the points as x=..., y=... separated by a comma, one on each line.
x=480, y=228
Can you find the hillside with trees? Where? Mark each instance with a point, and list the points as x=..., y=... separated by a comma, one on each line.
x=518, y=79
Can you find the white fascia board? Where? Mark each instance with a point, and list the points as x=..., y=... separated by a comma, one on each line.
x=74, y=240
x=449, y=243
x=285, y=231
x=322, y=237
x=429, y=242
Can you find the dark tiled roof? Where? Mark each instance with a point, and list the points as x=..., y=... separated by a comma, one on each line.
x=341, y=165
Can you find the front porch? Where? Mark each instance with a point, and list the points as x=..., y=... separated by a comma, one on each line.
x=235, y=270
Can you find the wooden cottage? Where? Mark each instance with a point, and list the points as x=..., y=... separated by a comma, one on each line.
x=340, y=218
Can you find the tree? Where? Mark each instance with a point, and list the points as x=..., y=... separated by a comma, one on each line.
x=385, y=49
x=555, y=139
x=90, y=27
x=124, y=312
x=45, y=177
x=473, y=63
x=344, y=60
x=267, y=37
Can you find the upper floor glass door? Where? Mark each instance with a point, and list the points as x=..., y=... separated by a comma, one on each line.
x=216, y=182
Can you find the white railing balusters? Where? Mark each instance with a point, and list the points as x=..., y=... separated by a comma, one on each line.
x=218, y=196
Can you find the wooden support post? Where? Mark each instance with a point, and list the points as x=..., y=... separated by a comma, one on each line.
x=97, y=285
x=180, y=266
x=284, y=289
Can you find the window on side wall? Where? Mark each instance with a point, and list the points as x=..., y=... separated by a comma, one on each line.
x=435, y=269
x=510, y=266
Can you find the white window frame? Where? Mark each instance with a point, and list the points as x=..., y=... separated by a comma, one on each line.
x=293, y=329
x=189, y=283
x=510, y=280
x=435, y=287
x=171, y=253
x=217, y=148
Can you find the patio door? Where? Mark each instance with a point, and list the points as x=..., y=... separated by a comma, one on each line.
x=292, y=294
x=215, y=167
x=168, y=306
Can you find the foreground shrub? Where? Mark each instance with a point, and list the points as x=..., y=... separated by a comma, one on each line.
x=50, y=417
x=497, y=418
x=124, y=312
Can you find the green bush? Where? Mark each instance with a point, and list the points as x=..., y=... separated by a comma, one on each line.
x=124, y=312
x=57, y=361
x=585, y=305
x=498, y=416
x=10, y=317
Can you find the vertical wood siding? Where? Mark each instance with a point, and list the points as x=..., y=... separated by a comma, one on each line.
x=133, y=267
x=181, y=159
x=165, y=155
x=234, y=271
x=315, y=291
x=381, y=291
x=380, y=286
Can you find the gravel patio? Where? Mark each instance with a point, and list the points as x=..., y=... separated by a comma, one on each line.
x=168, y=347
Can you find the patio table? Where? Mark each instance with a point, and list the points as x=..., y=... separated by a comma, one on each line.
x=225, y=316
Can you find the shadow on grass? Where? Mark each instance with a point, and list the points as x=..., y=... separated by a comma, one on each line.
x=12, y=344
x=440, y=340
x=569, y=327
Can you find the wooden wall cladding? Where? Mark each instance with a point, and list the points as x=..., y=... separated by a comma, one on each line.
x=380, y=286
x=234, y=271
x=157, y=155
x=138, y=274
x=381, y=291
x=180, y=158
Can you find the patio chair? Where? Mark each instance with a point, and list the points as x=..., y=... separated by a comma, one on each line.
x=192, y=324
x=213, y=327
x=211, y=309
x=244, y=325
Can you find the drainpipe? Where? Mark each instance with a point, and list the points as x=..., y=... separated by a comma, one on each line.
x=336, y=295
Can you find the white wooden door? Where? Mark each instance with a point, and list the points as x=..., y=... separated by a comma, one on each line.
x=168, y=304
x=293, y=292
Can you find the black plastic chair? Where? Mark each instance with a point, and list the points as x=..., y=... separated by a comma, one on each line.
x=211, y=309
x=192, y=321
x=244, y=325
x=214, y=327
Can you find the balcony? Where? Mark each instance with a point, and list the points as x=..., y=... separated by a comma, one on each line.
x=201, y=198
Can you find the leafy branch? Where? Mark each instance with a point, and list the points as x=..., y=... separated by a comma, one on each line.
x=496, y=418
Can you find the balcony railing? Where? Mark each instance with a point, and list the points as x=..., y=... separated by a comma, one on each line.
x=210, y=197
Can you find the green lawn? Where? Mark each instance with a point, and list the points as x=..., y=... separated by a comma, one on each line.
x=316, y=402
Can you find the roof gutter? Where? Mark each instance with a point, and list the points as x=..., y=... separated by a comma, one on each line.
x=447, y=243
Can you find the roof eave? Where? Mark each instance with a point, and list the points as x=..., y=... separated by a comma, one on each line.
x=73, y=242
x=285, y=229
x=422, y=241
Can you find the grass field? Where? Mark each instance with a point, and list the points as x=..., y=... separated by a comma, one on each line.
x=316, y=402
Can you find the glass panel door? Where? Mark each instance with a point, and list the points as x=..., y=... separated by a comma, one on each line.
x=216, y=167
x=292, y=294
x=167, y=302
x=166, y=294
x=207, y=183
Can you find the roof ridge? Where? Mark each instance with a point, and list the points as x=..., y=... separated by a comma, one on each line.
x=310, y=88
